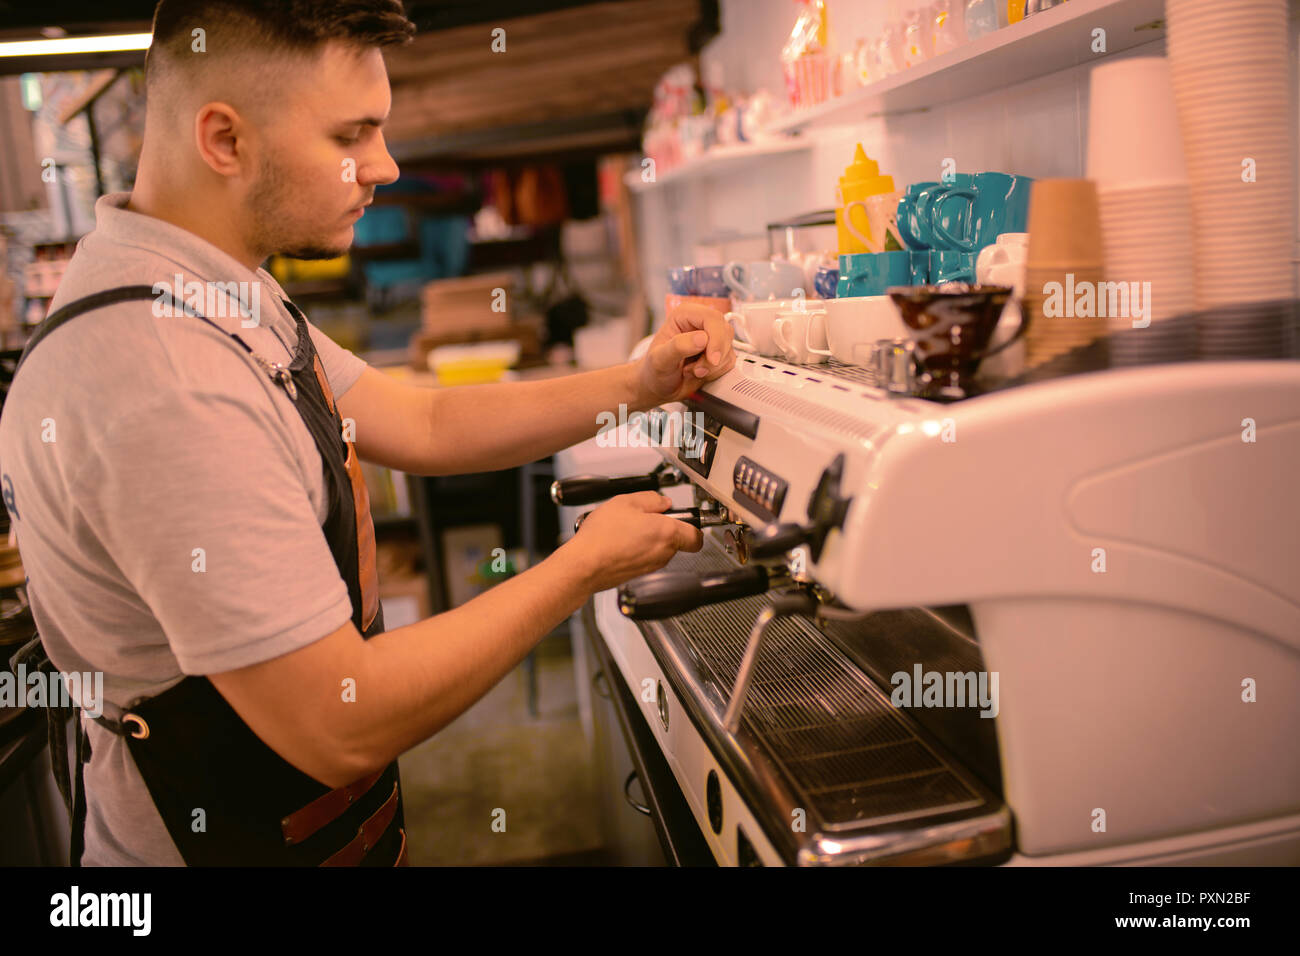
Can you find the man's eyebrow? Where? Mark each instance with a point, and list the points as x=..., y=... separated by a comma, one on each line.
x=364, y=121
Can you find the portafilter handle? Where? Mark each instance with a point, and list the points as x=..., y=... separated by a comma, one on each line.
x=695, y=517
x=669, y=593
x=588, y=489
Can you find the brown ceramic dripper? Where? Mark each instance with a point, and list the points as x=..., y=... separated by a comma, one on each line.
x=952, y=325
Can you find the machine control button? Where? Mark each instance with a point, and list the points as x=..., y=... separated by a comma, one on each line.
x=758, y=489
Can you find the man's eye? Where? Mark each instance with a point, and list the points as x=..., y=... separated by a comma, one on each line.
x=347, y=140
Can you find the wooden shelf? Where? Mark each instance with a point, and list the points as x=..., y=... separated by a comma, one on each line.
x=719, y=157
x=1044, y=43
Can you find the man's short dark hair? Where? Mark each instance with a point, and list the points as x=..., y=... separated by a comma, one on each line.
x=291, y=26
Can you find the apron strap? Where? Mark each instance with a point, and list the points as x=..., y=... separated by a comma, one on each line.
x=99, y=300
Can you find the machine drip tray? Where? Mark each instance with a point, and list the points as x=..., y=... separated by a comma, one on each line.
x=841, y=749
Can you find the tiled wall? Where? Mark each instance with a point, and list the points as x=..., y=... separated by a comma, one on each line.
x=1038, y=128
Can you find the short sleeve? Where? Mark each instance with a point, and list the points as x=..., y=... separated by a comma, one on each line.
x=200, y=503
x=342, y=368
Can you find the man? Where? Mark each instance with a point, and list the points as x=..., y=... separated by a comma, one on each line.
x=189, y=511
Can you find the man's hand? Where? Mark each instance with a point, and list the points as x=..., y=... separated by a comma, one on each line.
x=692, y=347
x=627, y=537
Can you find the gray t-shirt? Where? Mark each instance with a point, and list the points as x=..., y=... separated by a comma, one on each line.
x=168, y=438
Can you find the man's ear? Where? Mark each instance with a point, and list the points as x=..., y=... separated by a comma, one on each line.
x=219, y=138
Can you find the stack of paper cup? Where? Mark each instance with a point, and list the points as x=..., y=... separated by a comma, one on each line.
x=1135, y=156
x=1063, y=270
x=1230, y=76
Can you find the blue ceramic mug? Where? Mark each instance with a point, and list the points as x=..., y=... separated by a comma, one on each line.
x=827, y=282
x=972, y=214
x=951, y=265
x=707, y=280
x=679, y=281
x=910, y=223
x=942, y=218
x=920, y=259
x=871, y=273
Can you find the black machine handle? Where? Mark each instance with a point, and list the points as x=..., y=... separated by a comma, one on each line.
x=669, y=593
x=588, y=489
x=690, y=515
x=776, y=540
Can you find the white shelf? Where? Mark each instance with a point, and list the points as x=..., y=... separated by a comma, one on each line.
x=716, y=158
x=1044, y=43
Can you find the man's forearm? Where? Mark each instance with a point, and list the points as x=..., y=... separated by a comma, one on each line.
x=489, y=427
x=417, y=679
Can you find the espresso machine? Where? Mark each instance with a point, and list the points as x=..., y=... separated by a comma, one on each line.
x=1053, y=623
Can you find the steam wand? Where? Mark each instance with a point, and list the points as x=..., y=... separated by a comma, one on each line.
x=790, y=602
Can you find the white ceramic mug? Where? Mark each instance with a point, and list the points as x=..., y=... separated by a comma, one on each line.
x=1003, y=264
x=1008, y=271
x=882, y=218
x=754, y=320
x=852, y=326
x=882, y=213
x=796, y=334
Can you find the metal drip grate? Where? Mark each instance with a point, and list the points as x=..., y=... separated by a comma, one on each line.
x=830, y=369
x=834, y=368
x=843, y=748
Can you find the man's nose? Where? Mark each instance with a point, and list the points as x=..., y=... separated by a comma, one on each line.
x=381, y=169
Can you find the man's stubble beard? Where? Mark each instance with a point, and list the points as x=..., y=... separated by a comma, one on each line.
x=274, y=230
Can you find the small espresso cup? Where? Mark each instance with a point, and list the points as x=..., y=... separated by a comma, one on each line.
x=754, y=321
x=801, y=336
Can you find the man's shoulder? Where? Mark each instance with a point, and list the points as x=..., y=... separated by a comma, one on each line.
x=125, y=363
